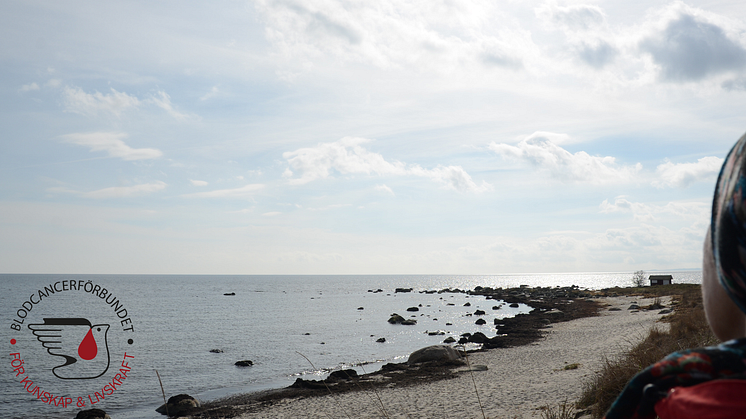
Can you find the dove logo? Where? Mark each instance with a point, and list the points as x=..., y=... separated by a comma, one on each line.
x=81, y=347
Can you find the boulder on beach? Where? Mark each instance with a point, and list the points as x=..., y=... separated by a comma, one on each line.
x=178, y=405
x=92, y=414
x=479, y=313
x=244, y=363
x=438, y=353
x=449, y=339
x=347, y=374
x=403, y=290
x=381, y=340
x=480, y=322
x=413, y=309
x=514, y=305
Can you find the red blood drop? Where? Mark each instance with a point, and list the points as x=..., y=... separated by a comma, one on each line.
x=87, y=349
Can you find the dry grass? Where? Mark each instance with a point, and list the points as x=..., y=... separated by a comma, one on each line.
x=688, y=329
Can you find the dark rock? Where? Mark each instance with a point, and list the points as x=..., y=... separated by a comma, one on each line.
x=361, y=308
x=178, y=405
x=496, y=307
x=409, y=322
x=479, y=313
x=396, y=319
x=244, y=363
x=480, y=322
x=312, y=384
x=391, y=366
x=478, y=337
x=92, y=414
x=633, y=307
x=342, y=375
x=467, y=304
x=216, y=351
x=381, y=340
x=449, y=339
x=665, y=311
x=615, y=309
x=413, y=309
x=514, y=305
x=403, y=290
x=437, y=353
x=230, y=293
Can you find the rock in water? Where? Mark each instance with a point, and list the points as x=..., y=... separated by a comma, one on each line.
x=244, y=363
x=439, y=353
x=92, y=414
x=178, y=405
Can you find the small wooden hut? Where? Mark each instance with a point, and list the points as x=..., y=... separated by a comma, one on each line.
x=660, y=279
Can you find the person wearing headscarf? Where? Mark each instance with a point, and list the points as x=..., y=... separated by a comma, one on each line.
x=706, y=382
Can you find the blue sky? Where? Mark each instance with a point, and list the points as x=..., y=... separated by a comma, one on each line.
x=340, y=137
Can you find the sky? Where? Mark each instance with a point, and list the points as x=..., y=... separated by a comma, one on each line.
x=356, y=137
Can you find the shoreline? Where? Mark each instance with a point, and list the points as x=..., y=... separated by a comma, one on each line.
x=551, y=307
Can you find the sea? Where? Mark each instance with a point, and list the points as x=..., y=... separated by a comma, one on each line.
x=176, y=334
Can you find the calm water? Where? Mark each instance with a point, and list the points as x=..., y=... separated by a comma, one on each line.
x=176, y=320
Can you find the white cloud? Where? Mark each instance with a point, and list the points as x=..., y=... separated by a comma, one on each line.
x=126, y=191
x=29, y=87
x=80, y=102
x=242, y=192
x=347, y=156
x=211, y=94
x=384, y=189
x=577, y=17
x=692, y=47
x=111, y=142
x=163, y=101
x=544, y=154
x=388, y=34
x=684, y=174
x=586, y=30
x=690, y=210
x=198, y=182
x=271, y=214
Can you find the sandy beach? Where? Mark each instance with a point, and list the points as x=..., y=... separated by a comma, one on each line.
x=517, y=383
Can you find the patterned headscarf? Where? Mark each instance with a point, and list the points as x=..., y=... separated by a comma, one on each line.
x=728, y=224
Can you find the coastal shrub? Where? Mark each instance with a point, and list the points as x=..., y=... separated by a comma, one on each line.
x=638, y=278
x=688, y=329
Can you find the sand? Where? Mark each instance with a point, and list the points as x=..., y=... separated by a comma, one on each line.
x=518, y=381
